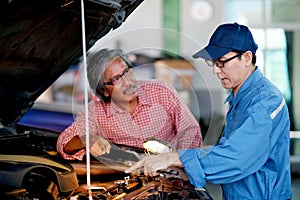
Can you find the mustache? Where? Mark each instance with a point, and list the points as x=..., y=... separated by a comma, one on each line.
x=129, y=88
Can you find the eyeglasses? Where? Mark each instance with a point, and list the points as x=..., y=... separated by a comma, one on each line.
x=118, y=79
x=220, y=63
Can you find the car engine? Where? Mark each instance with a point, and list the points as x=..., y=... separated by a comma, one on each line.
x=162, y=187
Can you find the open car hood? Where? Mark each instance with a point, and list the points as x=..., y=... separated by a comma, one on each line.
x=41, y=39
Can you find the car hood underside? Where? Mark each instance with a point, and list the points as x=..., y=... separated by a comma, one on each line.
x=40, y=40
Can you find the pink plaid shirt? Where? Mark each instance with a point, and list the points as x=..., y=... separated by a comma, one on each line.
x=160, y=113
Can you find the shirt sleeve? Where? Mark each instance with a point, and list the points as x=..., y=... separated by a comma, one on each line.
x=192, y=166
x=188, y=132
x=77, y=129
x=234, y=158
x=64, y=138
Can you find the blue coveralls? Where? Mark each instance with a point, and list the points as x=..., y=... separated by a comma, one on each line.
x=251, y=159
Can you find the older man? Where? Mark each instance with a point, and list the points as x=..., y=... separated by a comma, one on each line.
x=127, y=111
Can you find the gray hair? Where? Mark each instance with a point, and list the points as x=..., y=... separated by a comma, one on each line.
x=96, y=65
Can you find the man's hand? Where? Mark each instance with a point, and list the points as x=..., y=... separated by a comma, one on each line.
x=98, y=145
x=152, y=164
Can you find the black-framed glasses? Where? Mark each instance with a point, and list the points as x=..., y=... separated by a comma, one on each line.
x=118, y=79
x=220, y=63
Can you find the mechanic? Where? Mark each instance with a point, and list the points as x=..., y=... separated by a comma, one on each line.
x=127, y=111
x=251, y=159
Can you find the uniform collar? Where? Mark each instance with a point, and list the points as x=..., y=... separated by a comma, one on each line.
x=251, y=81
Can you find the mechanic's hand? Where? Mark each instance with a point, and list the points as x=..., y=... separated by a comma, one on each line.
x=152, y=164
x=98, y=145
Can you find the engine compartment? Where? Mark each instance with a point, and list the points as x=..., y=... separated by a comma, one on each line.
x=162, y=187
x=108, y=180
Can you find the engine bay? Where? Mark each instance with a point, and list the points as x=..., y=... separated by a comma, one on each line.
x=107, y=177
x=162, y=187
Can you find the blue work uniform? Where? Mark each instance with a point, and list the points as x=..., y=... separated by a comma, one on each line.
x=251, y=159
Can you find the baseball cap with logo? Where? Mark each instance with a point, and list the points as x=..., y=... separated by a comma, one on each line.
x=228, y=37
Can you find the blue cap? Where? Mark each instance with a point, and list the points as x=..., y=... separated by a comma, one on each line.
x=228, y=37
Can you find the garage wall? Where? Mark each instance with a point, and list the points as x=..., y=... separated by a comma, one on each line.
x=141, y=30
